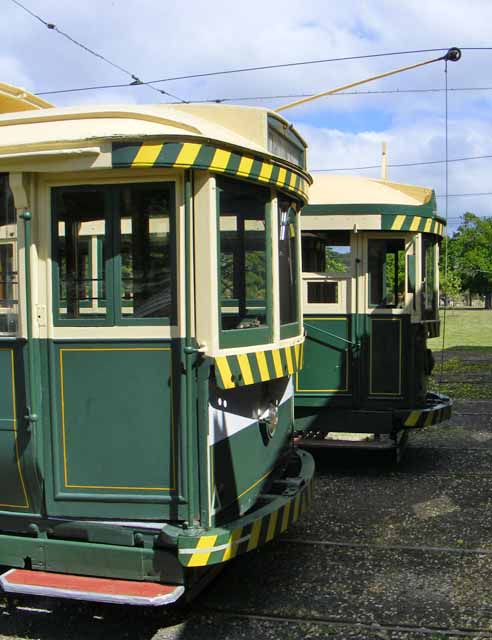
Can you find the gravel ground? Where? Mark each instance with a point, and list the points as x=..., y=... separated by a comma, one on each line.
x=386, y=552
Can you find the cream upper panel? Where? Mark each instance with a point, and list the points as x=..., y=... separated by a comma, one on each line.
x=62, y=127
x=358, y=190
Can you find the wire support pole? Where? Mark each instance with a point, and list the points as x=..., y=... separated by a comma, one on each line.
x=453, y=54
x=446, y=204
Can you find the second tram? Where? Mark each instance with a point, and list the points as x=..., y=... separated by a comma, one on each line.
x=370, y=295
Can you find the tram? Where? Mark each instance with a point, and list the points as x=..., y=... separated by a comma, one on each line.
x=370, y=282
x=150, y=329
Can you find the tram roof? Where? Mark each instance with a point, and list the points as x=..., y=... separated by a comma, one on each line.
x=333, y=191
x=36, y=126
x=370, y=204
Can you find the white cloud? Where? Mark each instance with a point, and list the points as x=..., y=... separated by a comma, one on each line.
x=156, y=39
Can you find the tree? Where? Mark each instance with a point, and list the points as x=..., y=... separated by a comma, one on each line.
x=450, y=284
x=470, y=255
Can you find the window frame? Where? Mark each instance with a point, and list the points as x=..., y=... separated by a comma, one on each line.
x=231, y=338
x=292, y=329
x=112, y=266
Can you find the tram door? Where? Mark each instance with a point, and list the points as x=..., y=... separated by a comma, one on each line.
x=330, y=269
x=358, y=298
x=114, y=428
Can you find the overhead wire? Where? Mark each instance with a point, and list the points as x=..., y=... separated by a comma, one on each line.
x=401, y=164
x=136, y=81
x=248, y=69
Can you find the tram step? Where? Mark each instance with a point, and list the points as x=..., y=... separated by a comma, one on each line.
x=59, y=585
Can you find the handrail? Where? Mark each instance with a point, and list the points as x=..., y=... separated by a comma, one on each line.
x=328, y=333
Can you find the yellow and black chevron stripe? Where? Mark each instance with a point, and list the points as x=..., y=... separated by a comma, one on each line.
x=413, y=223
x=420, y=418
x=258, y=366
x=197, y=155
x=220, y=545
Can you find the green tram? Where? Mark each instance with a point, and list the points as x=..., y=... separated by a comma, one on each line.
x=150, y=329
x=370, y=253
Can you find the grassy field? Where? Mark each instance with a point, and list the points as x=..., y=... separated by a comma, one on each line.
x=464, y=329
x=466, y=369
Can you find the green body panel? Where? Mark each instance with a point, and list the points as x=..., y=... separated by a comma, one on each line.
x=384, y=370
x=114, y=429
x=20, y=453
x=325, y=343
x=247, y=460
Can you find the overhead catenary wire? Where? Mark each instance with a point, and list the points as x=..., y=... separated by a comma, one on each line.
x=250, y=69
x=136, y=81
x=401, y=164
x=272, y=97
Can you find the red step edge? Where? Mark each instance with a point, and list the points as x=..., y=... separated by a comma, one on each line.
x=60, y=585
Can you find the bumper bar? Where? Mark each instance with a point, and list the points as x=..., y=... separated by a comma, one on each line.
x=252, y=530
x=438, y=409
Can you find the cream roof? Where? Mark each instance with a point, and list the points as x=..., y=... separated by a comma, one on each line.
x=333, y=190
x=58, y=128
x=14, y=99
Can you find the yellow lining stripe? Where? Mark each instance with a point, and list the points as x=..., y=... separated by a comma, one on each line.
x=271, y=526
x=415, y=223
x=245, y=367
x=262, y=366
x=288, y=356
x=266, y=172
x=147, y=155
x=398, y=223
x=220, y=160
x=225, y=372
x=200, y=559
x=255, y=535
x=245, y=166
x=428, y=225
x=285, y=518
x=188, y=153
x=293, y=178
x=277, y=362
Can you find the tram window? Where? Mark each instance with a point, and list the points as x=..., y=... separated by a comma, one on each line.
x=8, y=269
x=326, y=252
x=7, y=209
x=80, y=220
x=386, y=273
x=8, y=290
x=145, y=280
x=112, y=252
x=322, y=292
x=429, y=273
x=243, y=256
x=287, y=263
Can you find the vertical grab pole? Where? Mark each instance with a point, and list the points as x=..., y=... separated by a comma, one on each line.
x=31, y=416
x=190, y=354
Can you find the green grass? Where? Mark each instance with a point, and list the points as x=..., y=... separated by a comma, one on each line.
x=464, y=329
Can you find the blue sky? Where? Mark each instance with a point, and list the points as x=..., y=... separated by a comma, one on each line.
x=160, y=39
